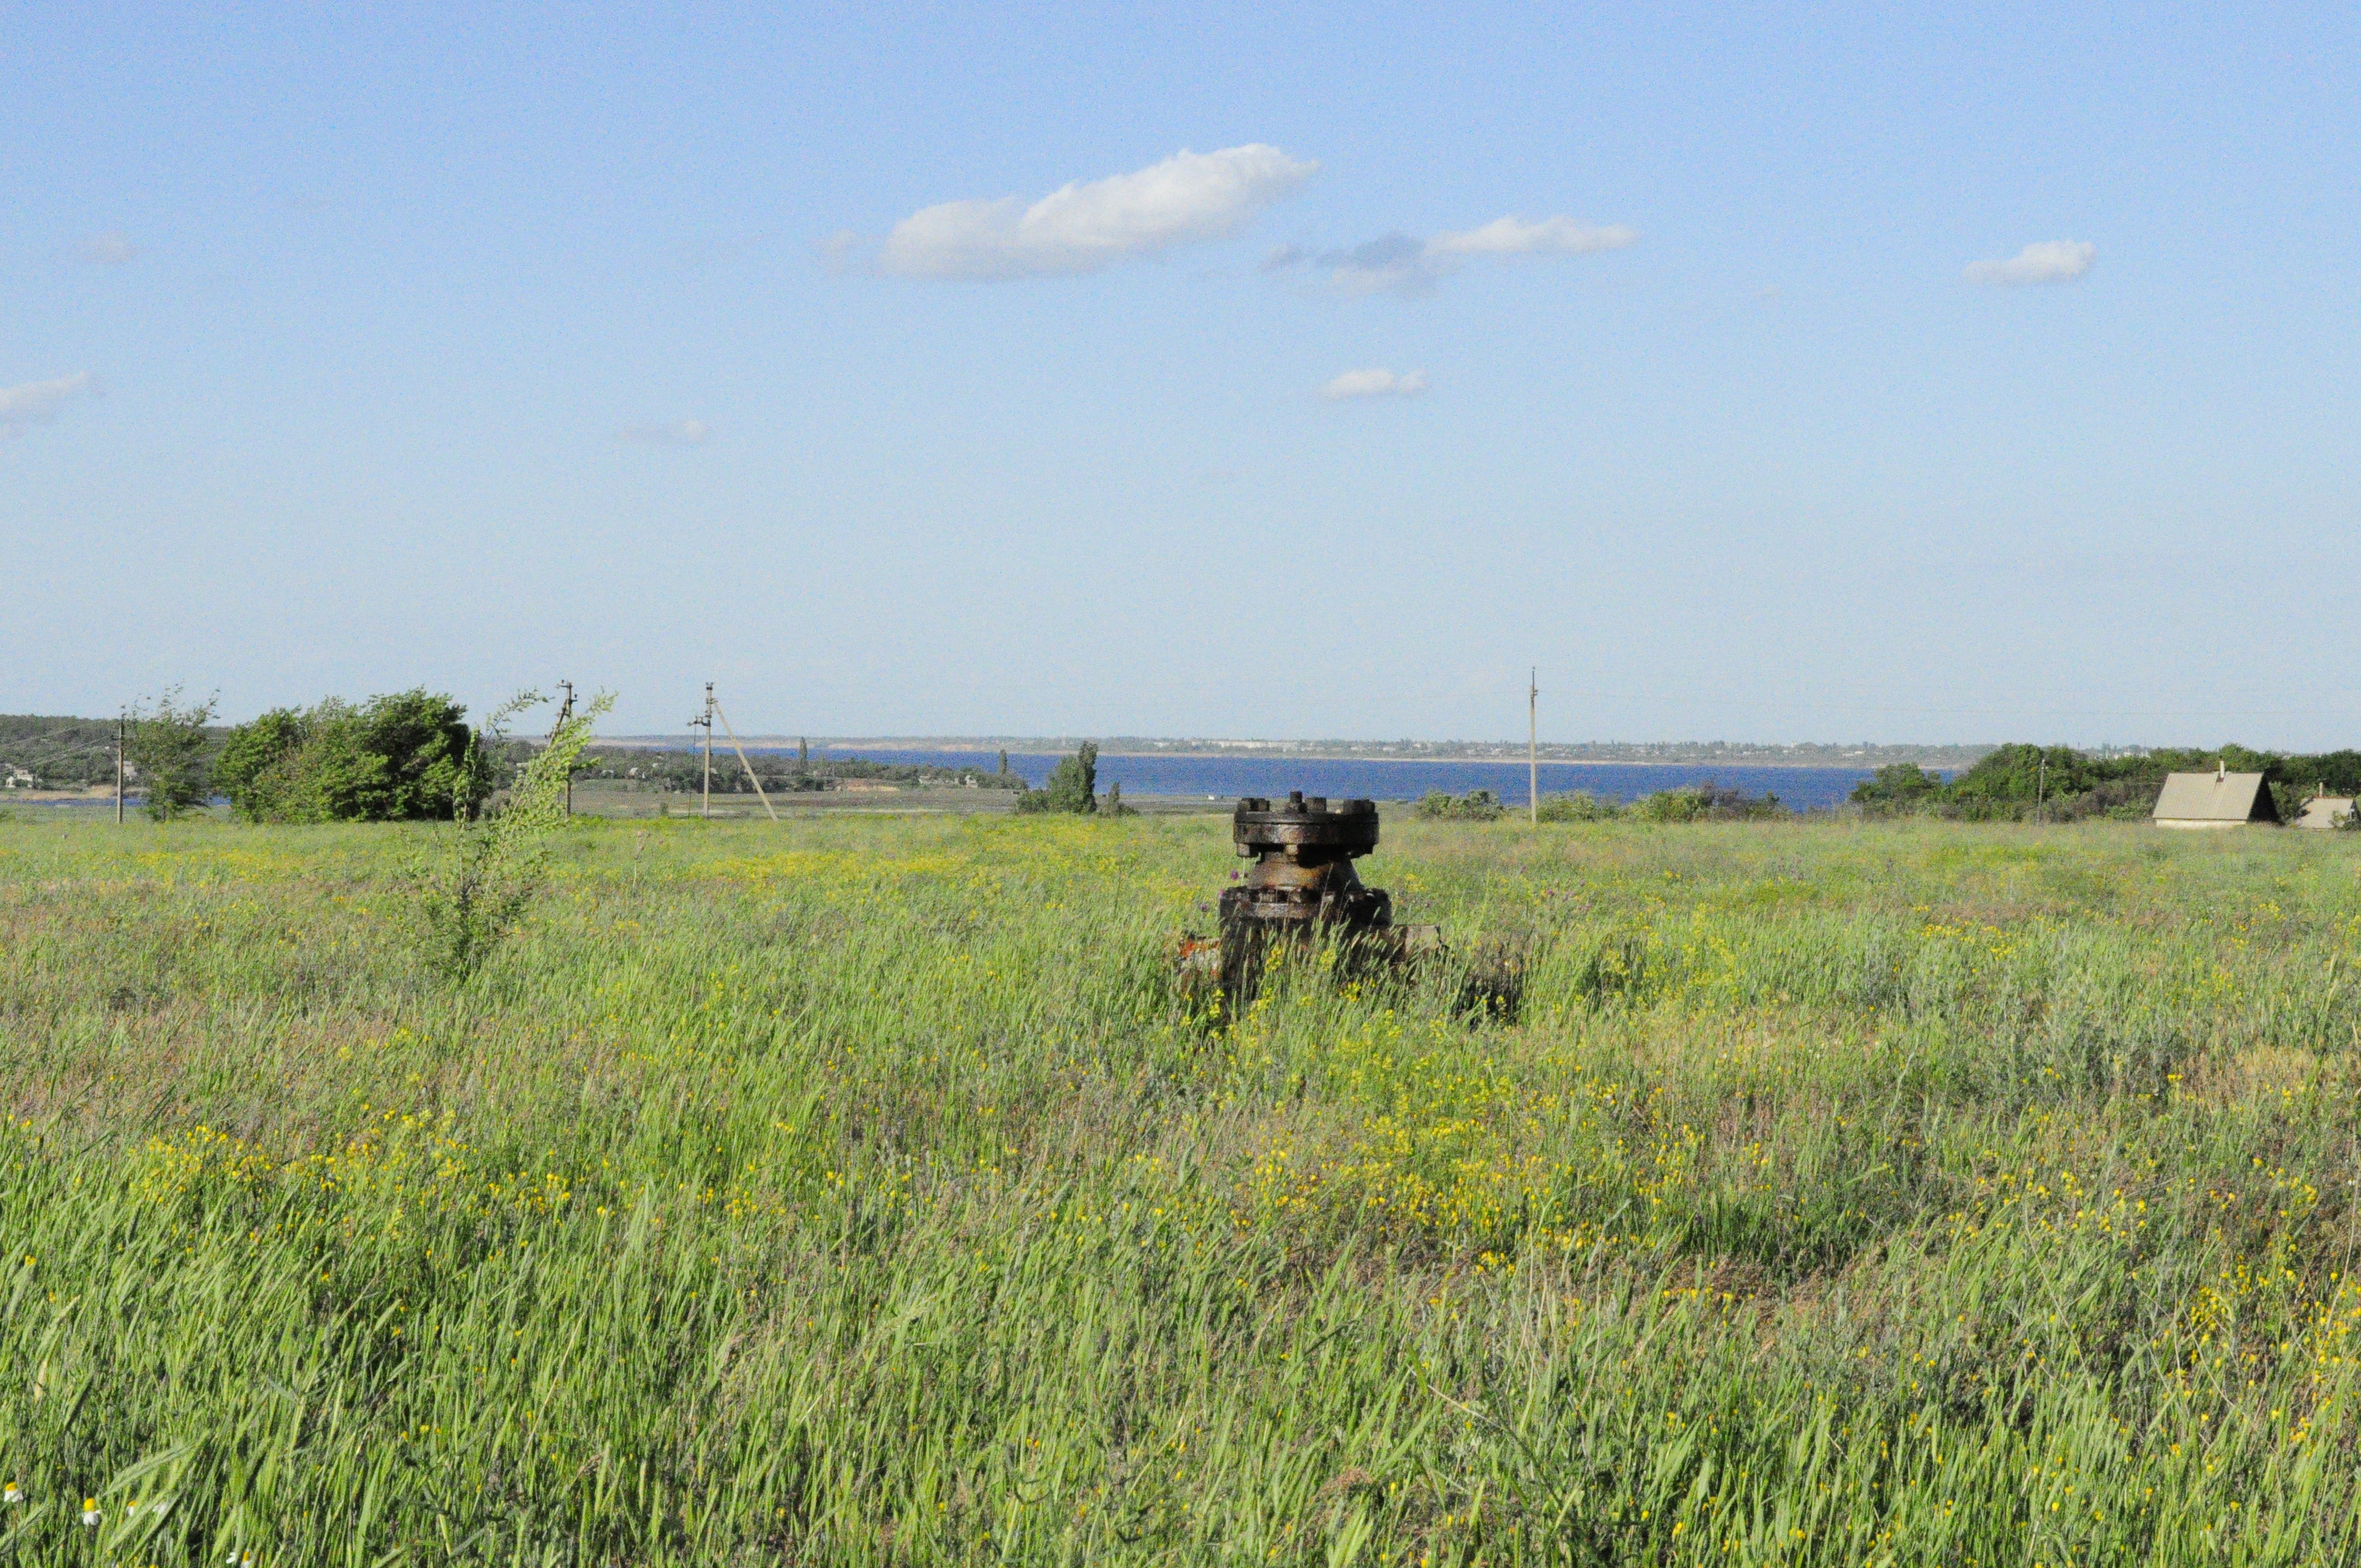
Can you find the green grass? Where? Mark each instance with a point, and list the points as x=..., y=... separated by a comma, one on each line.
x=858, y=1190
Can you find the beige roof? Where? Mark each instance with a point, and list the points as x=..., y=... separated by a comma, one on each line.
x=2215, y=798
x=2323, y=810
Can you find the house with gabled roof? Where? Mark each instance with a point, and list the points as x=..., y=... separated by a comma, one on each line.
x=2325, y=811
x=2218, y=799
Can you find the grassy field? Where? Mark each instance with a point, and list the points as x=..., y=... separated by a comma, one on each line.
x=858, y=1190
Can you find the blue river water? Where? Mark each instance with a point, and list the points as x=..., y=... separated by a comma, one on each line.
x=1225, y=778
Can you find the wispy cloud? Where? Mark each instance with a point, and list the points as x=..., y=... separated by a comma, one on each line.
x=36, y=402
x=1390, y=264
x=1375, y=383
x=1514, y=237
x=2046, y=261
x=679, y=432
x=1406, y=267
x=1187, y=198
x=1278, y=259
x=110, y=249
x=839, y=251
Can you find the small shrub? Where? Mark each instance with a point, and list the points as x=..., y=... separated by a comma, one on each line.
x=1577, y=805
x=1707, y=802
x=1476, y=806
x=499, y=860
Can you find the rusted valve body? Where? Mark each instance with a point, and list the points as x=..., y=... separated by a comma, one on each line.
x=1302, y=887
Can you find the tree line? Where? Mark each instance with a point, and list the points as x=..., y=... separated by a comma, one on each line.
x=412, y=756
x=400, y=757
x=2014, y=782
x=1705, y=801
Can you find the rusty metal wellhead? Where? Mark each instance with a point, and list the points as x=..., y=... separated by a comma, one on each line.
x=1302, y=890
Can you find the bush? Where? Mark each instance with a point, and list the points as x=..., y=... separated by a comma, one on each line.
x=1707, y=802
x=1476, y=806
x=1577, y=805
x=1072, y=786
x=402, y=757
x=1904, y=786
x=171, y=751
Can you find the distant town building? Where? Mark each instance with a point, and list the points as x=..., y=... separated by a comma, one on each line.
x=2325, y=811
x=2218, y=799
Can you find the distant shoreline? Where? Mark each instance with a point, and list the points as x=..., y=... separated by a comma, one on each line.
x=1607, y=755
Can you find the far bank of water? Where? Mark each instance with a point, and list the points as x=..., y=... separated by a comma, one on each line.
x=1225, y=778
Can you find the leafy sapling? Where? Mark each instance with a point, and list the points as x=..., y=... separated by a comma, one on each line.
x=498, y=850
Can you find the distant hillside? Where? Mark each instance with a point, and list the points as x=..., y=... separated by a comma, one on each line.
x=60, y=753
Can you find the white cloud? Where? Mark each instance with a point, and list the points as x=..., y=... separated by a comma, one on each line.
x=1188, y=198
x=679, y=432
x=1514, y=237
x=2047, y=261
x=1401, y=265
x=36, y=403
x=1375, y=383
x=110, y=249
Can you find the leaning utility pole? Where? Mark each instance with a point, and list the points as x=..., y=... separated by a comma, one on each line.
x=564, y=712
x=1533, y=744
x=751, y=776
x=121, y=723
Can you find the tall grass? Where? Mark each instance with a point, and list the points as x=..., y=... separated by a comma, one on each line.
x=862, y=1191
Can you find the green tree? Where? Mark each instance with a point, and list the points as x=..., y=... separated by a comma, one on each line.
x=421, y=752
x=170, y=747
x=253, y=760
x=400, y=757
x=1904, y=786
x=1072, y=789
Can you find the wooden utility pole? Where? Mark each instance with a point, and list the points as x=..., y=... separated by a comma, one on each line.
x=2040, y=785
x=564, y=712
x=706, y=720
x=742, y=763
x=1533, y=744
x=121, y=724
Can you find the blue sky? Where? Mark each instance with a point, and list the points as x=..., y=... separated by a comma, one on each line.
x=347, y=350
